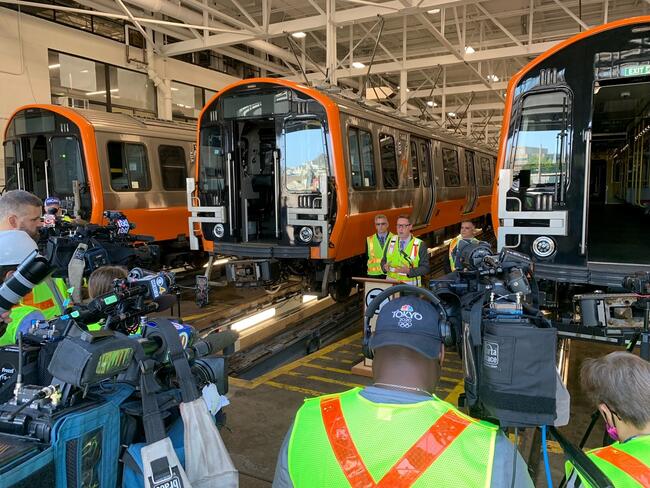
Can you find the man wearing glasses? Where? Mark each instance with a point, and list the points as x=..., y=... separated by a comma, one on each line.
x=376, y=245
x=406, y=258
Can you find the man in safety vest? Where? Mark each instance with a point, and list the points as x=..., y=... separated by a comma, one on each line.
x=376, y=245
x=21, y=211
x=406, y=258
x=619, y=384
x=21, y=317
x=397, y=433
x=466, y=236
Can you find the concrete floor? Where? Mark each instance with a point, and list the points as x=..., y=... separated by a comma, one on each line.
x=262, y=410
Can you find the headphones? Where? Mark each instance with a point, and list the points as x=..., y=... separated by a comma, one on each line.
x=445, y=329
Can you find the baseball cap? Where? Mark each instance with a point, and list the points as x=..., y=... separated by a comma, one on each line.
x=52, y=201
x=15, y=246
x=408, y=322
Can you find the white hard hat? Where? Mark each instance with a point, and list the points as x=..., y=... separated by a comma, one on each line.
x=15, y=246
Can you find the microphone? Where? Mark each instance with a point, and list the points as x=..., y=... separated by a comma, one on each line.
x=212, y=343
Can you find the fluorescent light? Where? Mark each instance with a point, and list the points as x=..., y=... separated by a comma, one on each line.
x=358, y=65
x=433, y=11
x=174, y=88
x=299, y=35
x=54, y=66
x=84, y=71
x=469, y=50
x=253, y=320
x=308, y=298
x=102, y=92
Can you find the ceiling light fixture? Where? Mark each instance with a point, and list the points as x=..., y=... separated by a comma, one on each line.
x=469, y=50
x=451, y=114
x=430, y=103
x=54, y=66
x=299, y=35
x=433, y=11
x=358, y=65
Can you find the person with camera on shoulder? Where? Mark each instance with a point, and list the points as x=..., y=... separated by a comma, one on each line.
x=15, y=246
x=619, y=385
x=466, y=236
x=397, y=432
x=21, y=211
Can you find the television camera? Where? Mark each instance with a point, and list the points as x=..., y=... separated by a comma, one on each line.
x=69, y=385
x=97, y=245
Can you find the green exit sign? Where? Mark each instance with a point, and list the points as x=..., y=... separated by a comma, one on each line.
x=639, y=70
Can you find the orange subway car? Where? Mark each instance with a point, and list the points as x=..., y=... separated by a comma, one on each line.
x=95, y=161
x=289, y=179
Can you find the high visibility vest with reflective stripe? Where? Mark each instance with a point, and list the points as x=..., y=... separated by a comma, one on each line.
x=345, y=440
x=376, y=254
x=22, y=318
x=452, y=249
x=627, y=464
x=49, y=297
x=395, y=259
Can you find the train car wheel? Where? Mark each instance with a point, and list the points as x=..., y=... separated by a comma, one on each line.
x=340, y=289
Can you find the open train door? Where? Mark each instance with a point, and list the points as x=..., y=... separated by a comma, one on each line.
x=617, y=192
x=472, y=190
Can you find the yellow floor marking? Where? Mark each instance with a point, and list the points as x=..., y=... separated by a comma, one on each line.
x=325, y=380
x=326, y=368
x=453, y=395
x=344, y=361
x=198, y=316
x=297, y=389
x=295, y=364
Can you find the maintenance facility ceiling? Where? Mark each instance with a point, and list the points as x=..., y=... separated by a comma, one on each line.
x=444, y=60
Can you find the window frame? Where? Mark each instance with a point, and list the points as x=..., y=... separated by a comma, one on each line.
x=362, y=173
x=162, y=167
x=415, y=169
x=381, y=162
x=424, y=148
x=486, y=160
x=147, y=171
x=453, y=150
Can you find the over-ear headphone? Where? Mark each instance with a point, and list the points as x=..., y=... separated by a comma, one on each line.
x=445, y=329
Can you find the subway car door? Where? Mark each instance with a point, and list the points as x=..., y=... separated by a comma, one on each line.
x=419, y=212
x=471, y=191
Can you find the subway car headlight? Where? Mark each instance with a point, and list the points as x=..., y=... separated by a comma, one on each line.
x=306, y=234
x=219, y=231
x=543, y=246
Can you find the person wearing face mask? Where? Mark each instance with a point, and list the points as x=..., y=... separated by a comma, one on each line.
x=619, y=385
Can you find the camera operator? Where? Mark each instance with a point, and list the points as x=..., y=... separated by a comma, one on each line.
x=21, y=210
x=53, y=213
x=362, y=436
x=619, y=385
x=466, y=236
x=15, y=246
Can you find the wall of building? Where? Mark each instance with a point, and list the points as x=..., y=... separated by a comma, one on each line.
x=24, y=73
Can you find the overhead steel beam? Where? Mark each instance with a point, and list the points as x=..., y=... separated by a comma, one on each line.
x=447, y=60
x=316, y=22
x=459, y=90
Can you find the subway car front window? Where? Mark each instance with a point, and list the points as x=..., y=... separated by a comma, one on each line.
x=539, y=156
x=212, y=176
x=43, y=155
x=305, y=155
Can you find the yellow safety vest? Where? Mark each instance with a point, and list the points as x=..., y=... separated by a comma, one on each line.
x=376, y=254
x=452, y=249
x=50, y=296
x=626, y=464
x=345, y=440
x=22, y=318
x=396, y=258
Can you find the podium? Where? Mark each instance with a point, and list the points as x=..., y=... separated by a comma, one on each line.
x=371, y=288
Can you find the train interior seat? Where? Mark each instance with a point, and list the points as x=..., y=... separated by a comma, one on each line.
x=619, y=189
